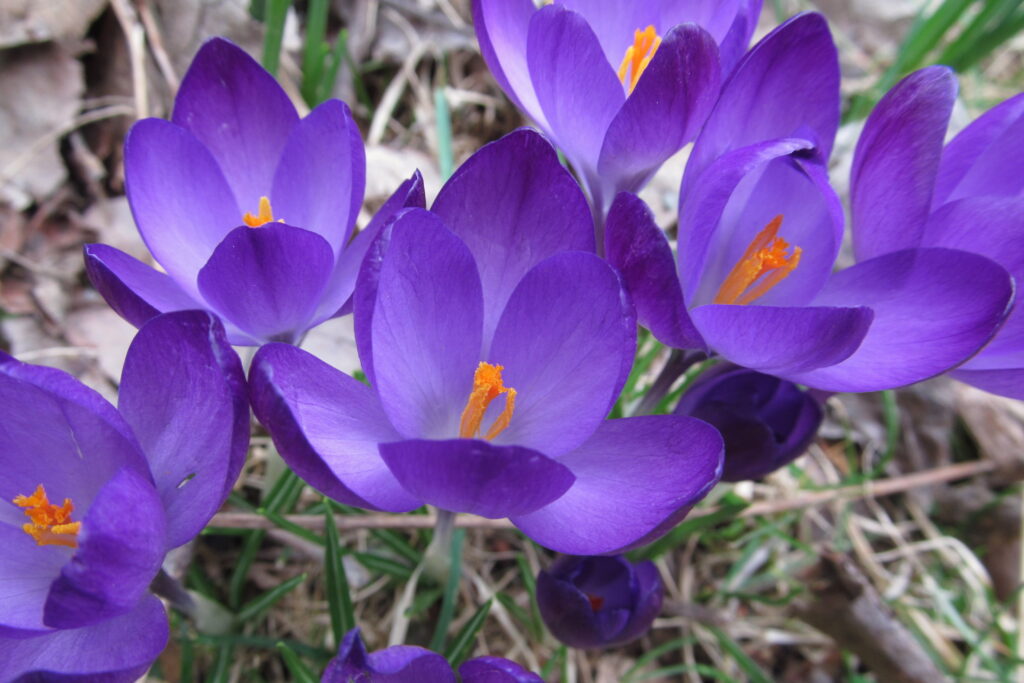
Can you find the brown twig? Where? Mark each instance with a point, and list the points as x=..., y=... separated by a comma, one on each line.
x=251, y=520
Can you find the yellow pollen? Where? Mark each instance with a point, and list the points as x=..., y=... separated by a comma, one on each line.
x=265, y=215
x=51, y=524
x=766, y=256
x=638, y=56
x=487, y=386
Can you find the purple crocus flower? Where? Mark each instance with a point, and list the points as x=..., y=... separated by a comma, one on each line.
x=590, y=602
x=495, y=343
x=759, y=232
x=908, y=190
x=246, y=207
x=766, y=422
x=409, y=664
x=619, y=86
x=92, y=497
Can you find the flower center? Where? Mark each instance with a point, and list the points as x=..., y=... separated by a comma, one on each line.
x=638, y=56
x=265, y=215
x=51, y=524
x=763, y=265
x=487, y=386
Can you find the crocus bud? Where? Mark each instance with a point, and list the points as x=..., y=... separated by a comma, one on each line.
x=765, y=421
x=590, y=602
x=496, y=670
x=392, y=665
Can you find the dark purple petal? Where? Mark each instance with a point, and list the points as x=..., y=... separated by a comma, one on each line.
x=184, y=394
x=319, y=182
x=566, y=341
x=985, y=157
x=239, y=112
x=120, y=548
x=396, y=664
x=766, y=422
x=896, y=160
x=1004, y=381
x=426, y=327
x=268, y=280
x=117, y=650
x=474, y=476
x=133, y=289
x=326, y=426
x=514, y=204
x=664, y=112
x=786, y=86
x=576, y=86
x=781, y=340
x=26, y=572
x=496, y=670
x=181, y=202
x=630, y=476
x=639, y=250
x=926, y=320
x=501, y=27
x=741, y=194
x=338, y=293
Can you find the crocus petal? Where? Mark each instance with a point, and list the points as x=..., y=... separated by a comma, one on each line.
x=984, y=159
x=133, y=289
x=496, y=670
x=326, y=426
x=664, y=111
x=120, y=548
x=320, y=179
x=630, y=476
x=181, y=202
x=184, y=394
x=896, y=160
x=1004, y=381
x=778, y=340
x=514, y=204
x=469, y=475
x=925, y=320
x=426, y=327
x=240, y=113
x=337, y=299
x=786, y=86
x=501, y=27
x=733, y=46
x=639, y=250
x=117, y=650
x=268, y=280
x=566, y=341
x=26, y=572
x=396, y=664
x=576, y=86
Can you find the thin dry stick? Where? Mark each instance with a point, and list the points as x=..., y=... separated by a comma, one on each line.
x=887, y=487
x=135, y=35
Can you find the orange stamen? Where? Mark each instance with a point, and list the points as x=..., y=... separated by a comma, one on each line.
x=766, y=260
x=487, y=386
x=265, y=215
x=638, y=56
x=51, y=524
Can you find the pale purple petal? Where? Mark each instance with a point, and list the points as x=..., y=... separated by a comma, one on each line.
x=734, y=45
x=181, y=202
x=326, y=426
x=925, y=320
x=566, y=341
x=268, y=280
x=631, y=475
x=319, y=182
x=896, y=160
x=136, y=291
x=1004, y=381
x=477, y=477
x=514, y=204
x=184, y=394
x=426, y=327
x=239, y=112
x=26, y=572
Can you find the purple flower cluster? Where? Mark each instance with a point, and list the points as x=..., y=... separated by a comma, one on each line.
x=495, y=333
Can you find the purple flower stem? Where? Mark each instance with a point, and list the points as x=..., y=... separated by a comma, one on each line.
x=171, y=590
x=679, y=361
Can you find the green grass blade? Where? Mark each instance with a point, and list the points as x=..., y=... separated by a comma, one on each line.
x=463, y=643
x=445, y=156
x=384, y=565
x=258, y=605
x=276, y=11
x=451, y=591
x=315, y=51
x=755, y=674
x=992, y=14
x=222, y=664
x=731, y=504
x=299, y=671
x=339, y=599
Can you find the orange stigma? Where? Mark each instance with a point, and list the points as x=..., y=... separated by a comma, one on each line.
x=638, y=56
x=766, y=256
x=51, y=524
x=265, y=215
x=487, y=386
